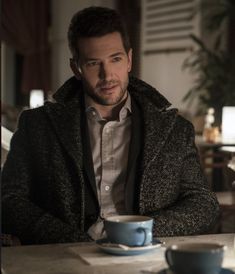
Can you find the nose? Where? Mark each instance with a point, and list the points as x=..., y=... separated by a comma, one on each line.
x=105, y=72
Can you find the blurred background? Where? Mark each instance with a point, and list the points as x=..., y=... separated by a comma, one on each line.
x=184, y=48
x=180, y=47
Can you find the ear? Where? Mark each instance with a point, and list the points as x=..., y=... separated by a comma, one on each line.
x=75, y=69
x=129, y=60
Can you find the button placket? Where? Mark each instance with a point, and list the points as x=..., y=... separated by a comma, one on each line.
x=107, y=144
x=106, y=153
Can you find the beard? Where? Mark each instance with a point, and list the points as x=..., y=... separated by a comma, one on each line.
x=107, y=93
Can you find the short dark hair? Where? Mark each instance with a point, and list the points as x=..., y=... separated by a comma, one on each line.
x=95, y=22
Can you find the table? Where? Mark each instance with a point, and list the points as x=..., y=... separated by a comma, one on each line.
x=219, y=150
x=226, y=198
x=65, y=258
x=199, y=140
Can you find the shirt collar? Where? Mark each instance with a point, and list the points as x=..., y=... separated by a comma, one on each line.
x=93, y=113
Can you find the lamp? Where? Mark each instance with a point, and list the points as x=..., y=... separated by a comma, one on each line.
x=228, y=125
x=36, y=98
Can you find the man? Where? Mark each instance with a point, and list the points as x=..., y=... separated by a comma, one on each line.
x=108, y=145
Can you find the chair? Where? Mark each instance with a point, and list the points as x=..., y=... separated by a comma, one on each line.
x=227, y=198
x=9, y=240
x=226, y=201
x=216, y=158
x=6, y=239
x=6, y=136
x=218, y=165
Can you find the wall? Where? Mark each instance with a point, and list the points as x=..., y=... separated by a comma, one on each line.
x=7, y=74
x=164, y=72
x=162, y=59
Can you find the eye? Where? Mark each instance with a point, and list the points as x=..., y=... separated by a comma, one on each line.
x=116, y=59
x=92, y=63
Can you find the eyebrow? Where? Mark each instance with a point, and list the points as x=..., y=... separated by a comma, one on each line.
x=112, y=55
x=117, y=53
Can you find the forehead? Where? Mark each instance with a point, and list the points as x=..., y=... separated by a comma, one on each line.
x=98, y=47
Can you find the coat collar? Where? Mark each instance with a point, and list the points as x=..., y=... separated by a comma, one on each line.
x=157, y=119
x=138, y=88
x=143, y=92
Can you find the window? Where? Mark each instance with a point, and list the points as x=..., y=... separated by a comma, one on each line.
x=167, y=24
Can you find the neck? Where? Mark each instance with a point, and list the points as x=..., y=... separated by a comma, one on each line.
x=110, y=112
x=107, y=112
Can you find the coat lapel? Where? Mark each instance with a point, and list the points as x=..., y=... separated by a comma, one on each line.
x=157, y=127
x=134, y=153
x=156, y=124
x=157, y=119
x=69, y=121
x=88, y=161
x=66, y=120
x=149, y=135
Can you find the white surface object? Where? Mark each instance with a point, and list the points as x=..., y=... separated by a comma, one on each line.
x=95, y=257
x=228, y=124
x=119, y=249
x=73, y=257
x=210, y=117
x=36, y=98
x=231, y=163
x=6, y=138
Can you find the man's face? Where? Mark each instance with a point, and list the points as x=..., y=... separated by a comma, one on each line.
x=103, y=68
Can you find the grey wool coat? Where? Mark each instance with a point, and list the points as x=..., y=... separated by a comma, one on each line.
x=48, y=185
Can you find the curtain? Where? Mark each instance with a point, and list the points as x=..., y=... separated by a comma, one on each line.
x=24, y=27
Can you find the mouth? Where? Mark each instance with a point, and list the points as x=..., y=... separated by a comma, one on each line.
x=108, y=89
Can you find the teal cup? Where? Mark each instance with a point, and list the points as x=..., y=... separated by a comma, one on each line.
x=195, y=258
x=131, y=230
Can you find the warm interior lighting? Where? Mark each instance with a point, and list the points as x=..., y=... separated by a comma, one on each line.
x=228, y=125
x=6, y=138
x=36, y=98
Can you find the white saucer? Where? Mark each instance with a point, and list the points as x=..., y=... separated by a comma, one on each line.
x=115, y=249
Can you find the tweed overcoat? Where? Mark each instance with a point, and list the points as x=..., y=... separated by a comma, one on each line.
x=47, y=193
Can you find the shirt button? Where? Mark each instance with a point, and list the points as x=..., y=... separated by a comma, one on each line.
x=93, y=113
x=107, y=188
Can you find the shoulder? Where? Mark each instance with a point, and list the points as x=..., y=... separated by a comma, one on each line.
x=184, y=124
x=145, y=94
x=40, y=111
x=36, y=117
x=31, y=114
x=184, y=129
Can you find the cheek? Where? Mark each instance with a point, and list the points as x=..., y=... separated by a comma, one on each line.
x=122, y=73
x=91, y=79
